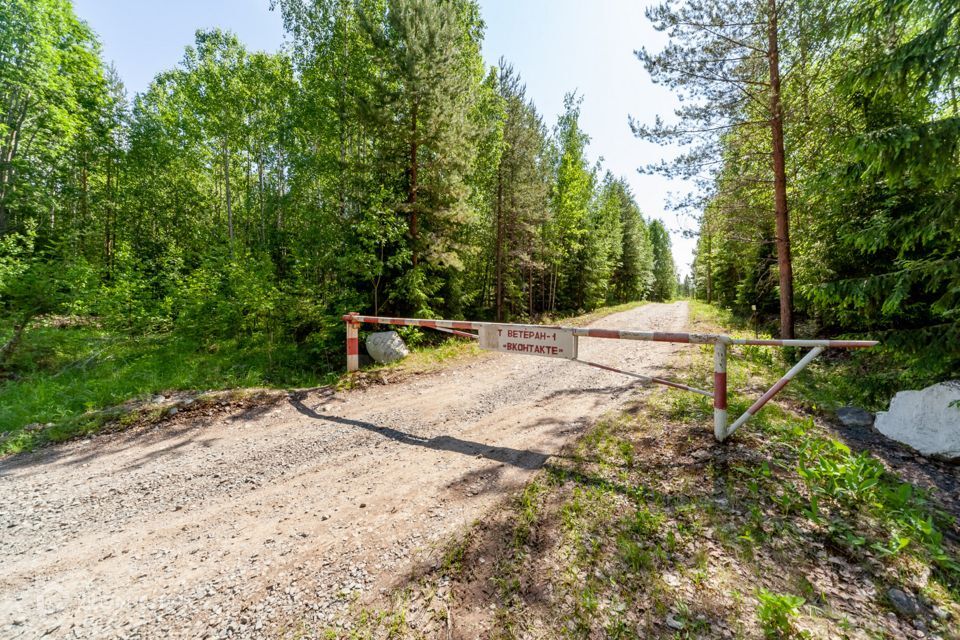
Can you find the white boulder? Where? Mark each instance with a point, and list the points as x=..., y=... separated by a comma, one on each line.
x=927, y=420
x=386, y=346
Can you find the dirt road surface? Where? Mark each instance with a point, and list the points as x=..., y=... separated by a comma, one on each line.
x=249, y=525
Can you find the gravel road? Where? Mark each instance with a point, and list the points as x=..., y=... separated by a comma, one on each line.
x=245, y=525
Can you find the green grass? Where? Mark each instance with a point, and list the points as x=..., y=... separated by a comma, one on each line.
x=860, y=506
x=65, y=374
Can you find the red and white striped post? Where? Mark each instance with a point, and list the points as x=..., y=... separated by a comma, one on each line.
x=353, y=342
x=720, y=390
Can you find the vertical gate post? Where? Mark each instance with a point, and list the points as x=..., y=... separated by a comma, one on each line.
x=720, y=390
x=353, y=344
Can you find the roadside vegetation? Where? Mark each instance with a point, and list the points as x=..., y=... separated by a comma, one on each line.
x=74, y=377
x=647, y=528
x=822, y=138
x=77, y=378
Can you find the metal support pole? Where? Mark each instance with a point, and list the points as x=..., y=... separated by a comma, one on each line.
x=462, y=334
x=775, y=389
x=353, y=343
x=720, y=390
x=667, y=383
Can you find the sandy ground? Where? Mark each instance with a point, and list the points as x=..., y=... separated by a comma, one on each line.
x=247, y=525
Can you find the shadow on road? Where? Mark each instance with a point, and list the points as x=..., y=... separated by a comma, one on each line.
x=520, y=458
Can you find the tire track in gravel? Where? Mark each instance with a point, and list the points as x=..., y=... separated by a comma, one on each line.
x=243, y=525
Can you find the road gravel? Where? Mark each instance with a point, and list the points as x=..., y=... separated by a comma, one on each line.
x=251, y=524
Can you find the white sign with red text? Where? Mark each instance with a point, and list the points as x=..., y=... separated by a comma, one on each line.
x=530, y=341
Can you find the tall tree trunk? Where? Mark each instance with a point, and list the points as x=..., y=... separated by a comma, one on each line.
x=226, y=187
x=281, y=162
x=260, y=197
x=342, y=125
x=530, y=289
x=709, y=268
x=412, y=193
x=554, y=276
x=7, y=156
x=108, y=222
x=498, y=250
x=784, y=263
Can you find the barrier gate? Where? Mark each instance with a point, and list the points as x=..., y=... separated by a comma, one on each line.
x=561, y=342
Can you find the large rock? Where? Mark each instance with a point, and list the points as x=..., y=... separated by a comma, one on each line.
x=927, y=420
x=386, y=346
x=855, y=417
x=904, y=603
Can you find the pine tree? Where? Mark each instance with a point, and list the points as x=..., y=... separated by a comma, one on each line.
x=521, y=188
x=725, y=58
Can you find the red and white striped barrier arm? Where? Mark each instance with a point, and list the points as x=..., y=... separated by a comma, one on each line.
x=652, y=336
x=827, y=344
x=720, y=346
x=616, y=334
x=461, y=325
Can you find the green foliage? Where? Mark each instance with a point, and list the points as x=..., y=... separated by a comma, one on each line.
x=567, y=228
x=664, y=271
x=518, y=186
x=858, y=484
x=66, y=371
x=52, y=89
x=873, y=140
x=633, y=276
x=227, y=297
x=900, y=272
x=777, y=612
x=429, y=72
x=246, y=200
x=35, y=281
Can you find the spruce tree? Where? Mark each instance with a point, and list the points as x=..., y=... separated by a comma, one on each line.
x=632, y=277
x=664, y=269
x=430, y=67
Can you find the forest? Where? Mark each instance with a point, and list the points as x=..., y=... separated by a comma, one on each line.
x=211, y=230
x=246, y=200
x=823, y=137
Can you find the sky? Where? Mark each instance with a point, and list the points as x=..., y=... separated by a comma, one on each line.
x=557, y=46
